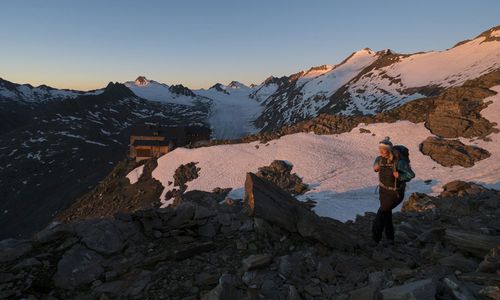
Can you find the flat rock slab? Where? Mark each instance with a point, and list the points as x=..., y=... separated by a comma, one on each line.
x=472, y=242
x=418, y=290
x=256, y=261
x=192, y=250
x=368, y=292
x=481, y=278
x=131, y=284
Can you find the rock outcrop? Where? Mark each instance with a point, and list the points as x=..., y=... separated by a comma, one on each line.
x=279, y=173
x=270, y=203
x=456, y=113
x=182, y=175
x=115, y=194
x=450, y=153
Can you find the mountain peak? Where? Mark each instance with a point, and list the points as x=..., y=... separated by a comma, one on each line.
x=181, y=90
x=275, y=80
x=118, y=90
x=386, y=52
x=365, y=50
x=236, y=85
x=219, y=87
x=269, y=79
x=141, y=80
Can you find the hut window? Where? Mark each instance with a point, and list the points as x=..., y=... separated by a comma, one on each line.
x=143, y=152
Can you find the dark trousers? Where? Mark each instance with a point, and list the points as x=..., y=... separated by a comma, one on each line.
x=383, y=221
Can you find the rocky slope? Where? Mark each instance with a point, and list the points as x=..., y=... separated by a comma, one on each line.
x=205, y=248
x=50, y=140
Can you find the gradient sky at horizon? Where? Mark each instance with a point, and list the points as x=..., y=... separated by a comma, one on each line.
x=85, y=44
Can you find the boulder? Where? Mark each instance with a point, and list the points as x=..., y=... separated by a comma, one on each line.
x=183, y=214
x=417, y=290
x=293, y=294
x=490, y=292
x=279, y=173
x=131, y=284
x=369, y=292
x=458, y=262
x=207, y=230
x=461, y=188
x=313, y=289
x=491, y=261
x=418, y=202
x=11, y=249
x=225, y=290
x=456, y=113
x=325, y=271
x=78, y=266
x=450, y=153
x=481, y=278
x=52, y=232
x=182, y=175
x=256, y=261
x=101, y=236
x=192, y=249
x=206, y=279
x=401, y=274
x=471, y=242
x=377, y=278
x=287, y=265
x=267, y=201
x=457, y=289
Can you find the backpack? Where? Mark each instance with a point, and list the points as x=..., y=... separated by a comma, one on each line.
x=403, y=153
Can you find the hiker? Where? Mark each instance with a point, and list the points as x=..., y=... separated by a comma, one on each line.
x=394, y=171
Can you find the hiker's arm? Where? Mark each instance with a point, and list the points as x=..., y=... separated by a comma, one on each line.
x=375, y=164
x=404, y=170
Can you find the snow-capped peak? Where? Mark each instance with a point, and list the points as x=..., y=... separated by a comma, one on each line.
x=237, y=85
x=141, y=81
x=362, y=54
x=365, y=50
x=219, y=87
x=161, y=92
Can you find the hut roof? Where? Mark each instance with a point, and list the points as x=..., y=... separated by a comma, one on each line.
x=151, y=143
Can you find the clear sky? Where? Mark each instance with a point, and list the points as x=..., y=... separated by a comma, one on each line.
x=86, y=44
